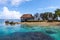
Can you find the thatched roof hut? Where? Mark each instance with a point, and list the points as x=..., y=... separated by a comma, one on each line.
x=27, y=16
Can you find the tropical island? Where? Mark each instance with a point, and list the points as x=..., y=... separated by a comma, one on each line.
x=43, y=19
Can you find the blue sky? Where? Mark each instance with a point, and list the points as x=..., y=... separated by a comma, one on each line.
x=13, y=9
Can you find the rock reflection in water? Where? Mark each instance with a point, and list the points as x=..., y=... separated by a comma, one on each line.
x=27, y=36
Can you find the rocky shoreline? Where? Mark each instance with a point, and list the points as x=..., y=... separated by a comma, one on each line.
x=34, y=23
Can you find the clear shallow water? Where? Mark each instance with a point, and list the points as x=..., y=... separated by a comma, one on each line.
x=8, y=29
x=54, y=32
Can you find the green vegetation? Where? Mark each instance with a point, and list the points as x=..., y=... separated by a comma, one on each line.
x=49, y=16
x=57, y=12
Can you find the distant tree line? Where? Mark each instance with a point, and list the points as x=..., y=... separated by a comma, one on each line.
x=47, y=15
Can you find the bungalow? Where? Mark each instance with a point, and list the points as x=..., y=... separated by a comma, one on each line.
x=26, y=17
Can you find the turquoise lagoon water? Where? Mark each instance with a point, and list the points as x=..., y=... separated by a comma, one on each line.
x=9, y=29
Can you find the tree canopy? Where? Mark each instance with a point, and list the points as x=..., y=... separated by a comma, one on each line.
x=57, y=12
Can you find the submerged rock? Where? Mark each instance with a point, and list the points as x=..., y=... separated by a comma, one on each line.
x=27, y=36
x=50, y=32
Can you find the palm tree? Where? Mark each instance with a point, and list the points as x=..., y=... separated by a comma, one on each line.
x=57, y=12
x=55, y=17
x=42, y=16
x=36, y=16
x=47, y=15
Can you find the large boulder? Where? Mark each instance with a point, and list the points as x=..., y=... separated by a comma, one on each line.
x=27, y=36
x=7, y=22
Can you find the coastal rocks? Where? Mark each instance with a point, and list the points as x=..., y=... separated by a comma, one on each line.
x=50, y=32
x=6, y=22
x=11, y=23
x=27, y=36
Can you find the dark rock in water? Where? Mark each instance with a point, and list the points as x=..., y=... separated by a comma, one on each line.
x=12, y=23
x=6, y=22
x=27, y=36
x=50, y=32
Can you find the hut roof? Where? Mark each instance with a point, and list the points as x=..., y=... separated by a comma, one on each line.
x=27, y=16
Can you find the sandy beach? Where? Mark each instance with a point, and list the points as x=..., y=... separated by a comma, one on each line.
x=42, y=23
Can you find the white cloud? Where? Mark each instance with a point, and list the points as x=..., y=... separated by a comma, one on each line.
x=48, y=8
x=7, y=14
x=13, y=2
x=17, y=2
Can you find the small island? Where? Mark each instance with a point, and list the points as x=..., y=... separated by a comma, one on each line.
x=42, y=19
